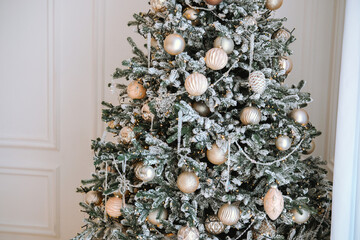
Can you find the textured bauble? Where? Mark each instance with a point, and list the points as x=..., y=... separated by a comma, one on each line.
x=286, y=64
x=273, y=4
x=188, y=233
x=201, y=108
x=93, y=197
x=188, y=182
x=196, y=84
x=302, y=217
x=311, y=149
x=216, y=59
x=213, y=2
x=227, y=44
x=191, y=14
x=257, y=82
x=283, y=143
x=273, y=202
x=213, y=225
x=126, y=134
x=144, y=172
x=300, y=116
x=155, y=216
x=216, y=155
x=250, y=115
x=146, y=114
x=282, y=35
x=229, y=214
x=265, y=231
x=113, y=207
x=158, y=5
x=249, y=21
x=174, y=44
x=136, y=90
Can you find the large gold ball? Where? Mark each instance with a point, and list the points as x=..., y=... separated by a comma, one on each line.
x=273, y=203
x=188, y=233
x=158, y=5
x=155, y=216
x=227, y=44
x=146, y=113
x=250, y=115
x=311, y=149
x=283, y=143
x=300, y=217
x=229, y=214
x=286, y=64
x=201, y=108
x=196, y=84
x=300, y=116
x=188, y=182
x=93, y=197
x=213, y=225
x=174, y=44
x=191, y=14
x=126, y=135
x=216, y=59
x=257, y=82
x=273, y=4
x=282, y=35
x=113, y=207
x=215, y=155
x=136, y=90
x=144, y=173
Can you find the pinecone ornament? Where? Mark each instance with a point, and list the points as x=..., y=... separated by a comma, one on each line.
x=257, y=82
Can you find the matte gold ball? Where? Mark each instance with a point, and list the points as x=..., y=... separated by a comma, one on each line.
x=300, y=116
x=188, y=233
x=216, y=59
x=213, y=2
x=286, y=64
x=144, y=173
x=196, y=84
x=213, y=225
x=229, y=214
x=93, y=197
x=273, y=4
x=158, y=5
x=201, y=108
x=282, y=35
x=155, y=216
x=146, y=113
x=174, y=44
x=113, y=207
x=273, y=203
x=283, y=143
x=136, y=90
x=250, y=115
x=227, y=44
x=300, y=217
x=188, y=182
x=215, y=155
x=126, y=135
x=311, y=149
x=191, y=14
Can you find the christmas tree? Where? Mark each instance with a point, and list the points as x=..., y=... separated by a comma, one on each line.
x=208, y=141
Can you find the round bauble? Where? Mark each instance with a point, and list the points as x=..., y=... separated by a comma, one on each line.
x=283, y=143
x=300, y=217
x=146, y=113
x=201, y=108
x=266, y=230
x=191, y=14
x=213, y=2
x=174, y=44
x=215, y=155
x=196, y=84
x=282, y=35
x=250, y=115
x=273, y=202
x=188, y=233
x=93, y=197
x=155, y=216
x=286, y=64
x=158, y=5
x=126, y=135
x=229, y=214
x=249, y=21
x=213, y=225
x=273, y=4
x=136, y=90
x=227, y=44
x=311, y=149
x=257, y=82
x=300, y=116
x=113, y=207
x=188, y=182
x=216, y=59
x=144, y=173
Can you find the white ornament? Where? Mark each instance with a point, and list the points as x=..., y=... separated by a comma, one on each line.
x=155, y=216
x=146, y=114
x=283, y=143
x=188, y=233
x=273, y=202
x=227, y=44
x=300, y=217
x=126, y=134
x=257, y=82
x=250, y=115
x=113, y=207
x=196, y=84
x=216, y=59
x=216, y=155
x=144, y=173
x=188, y=182
x=174, y=44
x=229, y=214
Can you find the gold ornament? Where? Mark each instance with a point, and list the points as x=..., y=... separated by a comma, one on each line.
x=213, y=225
x=158, y=5
x=257, y=82
x=155, y=216
x=227, y=44
x=266, y=230
x=126, y=135
x=216, y=155
x=283, y=143
x=213, y=2
x=273, y=202
x=229, y=214
x=113, y=207
x=300, y=217
x=311, y=149
x=93, y=197
x=136, y=90
x=191, y=14
x=286, y=64
x=174, y=44
x=201, y=108
x=196, y=84
x=216, y=59
x=300, y=116
x=282, y=35
x=146, y=114
x=188, y=182
x=249, y=21
x=250, y=115
x=144, y=172
x=273, y=4
x=188, y=233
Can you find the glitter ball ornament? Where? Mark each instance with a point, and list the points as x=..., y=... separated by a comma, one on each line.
x=300, y=116
x=283, y=143
x=300, y=218
x=215, y=155
x=201, y=108
x=188, y=233
x=249, y=21
x=216, y=59
x=144, y=172
x=286, y=64
x=257, y=82
x=266, y=230
x=196, y=84
x=146, y=114
x=250, y=115
x=136, y=90
x=311, y=149
x=126, y=135
x=113, y=207
x=213, y=2
x=93, y=197
x=188, y=182
x=174, y=44
x=273, y=4
x=227, y=44
x=155, y=216
x=158, y=5
x=191, y=14
x=213, y=225
x=282, y=34
x=229, y=214
x=273, y=202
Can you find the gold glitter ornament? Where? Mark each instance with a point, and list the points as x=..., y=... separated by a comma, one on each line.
x=191, y=14
x=136, y=90
x=229, y=214
x=273, y=202
x=188, y=182
x=213, y=225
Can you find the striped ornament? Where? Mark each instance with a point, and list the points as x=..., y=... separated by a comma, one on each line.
x=196, y=84
x=229, y=214
x=216, y=59
x=113, y=207
x=250, y=115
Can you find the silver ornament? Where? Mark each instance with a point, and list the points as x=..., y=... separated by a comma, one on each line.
x=158, y=5
x=229, y=214
x=174, y=44
x=216, y=59
x=113, y=207
x=93, y=197
x=273, y=4
x=144, y=173
x=196, y=84
x=146, y=114
x=227, y=44
x=257, y=82
x=273, y=202
x=311, y=149
x=300, y=217
x=283, y=143
x=188, y=182
x=188, y=233
x=213, y=225
x=155, y=216
x=191, y=14
x=250, y=115
x=300, y=116
x=126, y=135
x=216, y=155
x=286, y=64
x=282, y=35
x=201, y=108
x=249, y=21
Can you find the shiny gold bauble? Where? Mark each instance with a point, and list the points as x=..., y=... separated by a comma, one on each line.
x=266, y=230
x=146, y=113
x=311, y=149
x=213, y=2
x=158, y=5
x=191, y=14
x=215, y=155
x=188, y=182
x=144, y=172
x=136, y=90
x=216, y=59
x=283, y=143
x=273, y=202
x=126, y=135
x=155, y=216
x=273, y=4
x=300, y=217
x=93, y=197
x=257, y=82
x=286, y=64
x=249, y=21
x=113, y=207
x=250, y=115
x=229, y=214
x=201, y=108
x=213, y=225
x=282, y=35
x=188, y=233
x=300, y=116
x=174, y=44
x=196, y=84
x=227, y=44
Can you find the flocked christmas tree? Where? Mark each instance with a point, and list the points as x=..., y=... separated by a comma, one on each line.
x=212, y=143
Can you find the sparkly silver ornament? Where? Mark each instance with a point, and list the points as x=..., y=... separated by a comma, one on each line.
x=93, y=197
x=282, y=35
x=191, y=14
x=155, y=216
x=216, y=155
x=146, y=114
x=286, y=64
x=213, y=225
x=250, y=115
x=216, y=59
x=201, y=108
x=249, y=21
x=300, y=116
x=144, y=173
x=227, y=44
x=257, y=82
x=300, y=217
x=174, y=44
x=196, y=84
x=126, y=135
x=229, y=214
x=273, y=4
x=273, y=202
x=188, y=182
x=158, y=5
x=283, y=143
x=311, y=149
x=188, y=233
